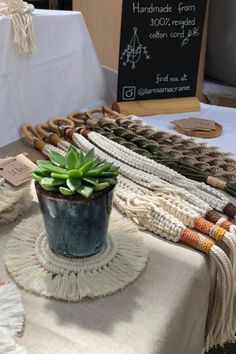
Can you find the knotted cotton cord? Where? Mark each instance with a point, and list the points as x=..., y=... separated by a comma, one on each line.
x=213, y=197
x=156, y=220
x=21, y=14
x=207, y=158
x=158, y=155
x=164, y=172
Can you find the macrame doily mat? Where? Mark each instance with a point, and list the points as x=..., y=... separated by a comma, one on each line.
x=37, y=269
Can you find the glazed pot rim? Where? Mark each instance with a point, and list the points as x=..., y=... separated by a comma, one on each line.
x=74, y=197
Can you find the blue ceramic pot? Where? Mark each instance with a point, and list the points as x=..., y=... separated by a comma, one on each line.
x=75, y=226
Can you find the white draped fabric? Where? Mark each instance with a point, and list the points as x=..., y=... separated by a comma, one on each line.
x=61, y=76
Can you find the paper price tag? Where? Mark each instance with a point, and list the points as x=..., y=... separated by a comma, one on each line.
x=195, y=124
x=16, y=170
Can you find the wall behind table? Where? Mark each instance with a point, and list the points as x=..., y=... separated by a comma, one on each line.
x=103, y=21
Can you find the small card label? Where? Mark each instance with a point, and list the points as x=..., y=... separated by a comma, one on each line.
x=16, y=170
x=195, y=124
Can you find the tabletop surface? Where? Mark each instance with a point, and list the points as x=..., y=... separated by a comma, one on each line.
x=168, y=301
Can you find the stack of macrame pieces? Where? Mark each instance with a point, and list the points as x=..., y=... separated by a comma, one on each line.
x=20, y=13
x=13, y=202
x=161, y=200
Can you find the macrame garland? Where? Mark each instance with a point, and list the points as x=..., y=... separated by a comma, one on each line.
x=11, y=319
x=37, y=269
x=207, y=158
x=20, y=13
x=14, y=201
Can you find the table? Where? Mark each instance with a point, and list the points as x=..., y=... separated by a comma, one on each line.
x=163, y=311
x=62, y=76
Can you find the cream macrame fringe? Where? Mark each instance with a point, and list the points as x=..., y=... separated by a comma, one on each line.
x=11, y=319
x=21, y=14
x=35, y=268
x=220, y=322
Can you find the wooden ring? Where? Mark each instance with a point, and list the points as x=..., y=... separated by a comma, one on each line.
x=30, y=133
x=201, y=134
x=55, y=124
x=43, y=130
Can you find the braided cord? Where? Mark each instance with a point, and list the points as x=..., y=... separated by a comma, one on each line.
x=216, y=199
x=200, y=155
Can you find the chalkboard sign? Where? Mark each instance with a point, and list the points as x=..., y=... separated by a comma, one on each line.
x=160, y=46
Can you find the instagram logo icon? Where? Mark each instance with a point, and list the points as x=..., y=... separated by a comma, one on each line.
x=128, y=93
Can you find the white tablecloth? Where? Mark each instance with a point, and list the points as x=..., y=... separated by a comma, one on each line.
x=63, y=75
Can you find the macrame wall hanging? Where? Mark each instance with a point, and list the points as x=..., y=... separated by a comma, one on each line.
x=20, y=13
x=167, y=217
x=14, y=201
x=11, y=319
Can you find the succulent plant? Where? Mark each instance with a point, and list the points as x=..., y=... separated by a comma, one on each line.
x=75, y=172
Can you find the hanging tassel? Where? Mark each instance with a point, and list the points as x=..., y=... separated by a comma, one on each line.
x=156, y=220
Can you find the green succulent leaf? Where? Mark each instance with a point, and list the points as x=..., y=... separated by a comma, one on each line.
x=49, y=189
x=108, y=174
x=73, y=183
x=72, y=159
x=75, y=173
x=86, y=167
x=52, y=168
x=89, y=156
x=101, y=186
x=60, y=175
x=90, y=180
x=111, y=181
x=36, y=177
x=85, y=191
x=40, y=171
x=81, y=159
x=97, y=171
x=51, y=182
x=66, y=191
x=57, y=159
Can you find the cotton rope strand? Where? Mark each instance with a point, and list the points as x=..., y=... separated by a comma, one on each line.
x=11, y=319
x=216, y=200
x=176, y=164
x=21, y=14
x=220, y=330
x=201, y=155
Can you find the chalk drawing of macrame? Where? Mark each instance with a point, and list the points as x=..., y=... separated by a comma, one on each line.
x=132, y=54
